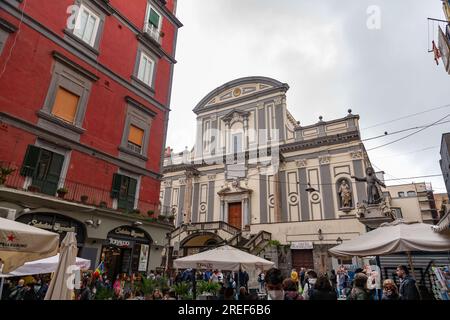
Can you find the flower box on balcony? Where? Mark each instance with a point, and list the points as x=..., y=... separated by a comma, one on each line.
x=84, y=199
x=62, y=192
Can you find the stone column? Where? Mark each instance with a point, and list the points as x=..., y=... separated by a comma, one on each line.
x=188, y=197
x=277, y=197
x=225, y=216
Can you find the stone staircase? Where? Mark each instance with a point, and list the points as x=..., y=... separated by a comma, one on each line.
x=253, y=244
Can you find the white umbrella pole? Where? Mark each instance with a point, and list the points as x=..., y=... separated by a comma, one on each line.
x=411, y=265
x=2, y=281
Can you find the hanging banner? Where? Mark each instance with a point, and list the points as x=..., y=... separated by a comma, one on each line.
x=444, y=48
x=143, y=257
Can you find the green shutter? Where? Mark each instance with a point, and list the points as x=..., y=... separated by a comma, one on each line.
x=154, y=18
x=131, y=193
x=30, y=161
x=117, y=182
x=50, y=185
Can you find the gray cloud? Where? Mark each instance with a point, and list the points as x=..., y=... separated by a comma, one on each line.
x=331, y=61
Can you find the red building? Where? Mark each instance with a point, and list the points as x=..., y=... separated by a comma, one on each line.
x=85, y=90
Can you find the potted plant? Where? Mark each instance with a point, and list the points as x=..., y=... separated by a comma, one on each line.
x=4, y=173
x=136, y=211
x=171, y=218
x=161, y=217
x=84, y=198
x=103, y=204
x=150, y=213
x=33, y=188
x=62, y=192
x=182, y=289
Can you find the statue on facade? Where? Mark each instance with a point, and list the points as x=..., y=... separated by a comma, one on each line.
x=345, y=194
x=374, y=194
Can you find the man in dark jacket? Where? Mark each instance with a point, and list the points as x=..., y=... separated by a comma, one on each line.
x=408, y=289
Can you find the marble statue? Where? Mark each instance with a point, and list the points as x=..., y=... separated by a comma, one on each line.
x=374, y=194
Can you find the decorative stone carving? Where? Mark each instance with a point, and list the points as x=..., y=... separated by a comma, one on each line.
x=315, y=197
x=345, y=194
x=167, y=183
x=182, y=181
x=211, y=177
x=374, y=193
x=277, y=100
x=357, y=154
x=302, y=163
x=361, y=210
x=324, y=160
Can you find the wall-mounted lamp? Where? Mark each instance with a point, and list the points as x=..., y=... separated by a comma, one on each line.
x=320, y=234
x=92, y=223
x=339, y=240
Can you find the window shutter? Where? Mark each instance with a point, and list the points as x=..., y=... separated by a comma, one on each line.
x=117, y=182
x=131, y=193
x=154, y=18
x=53, y=174
x=30, y=161
x=65, y=106
x=136, y=135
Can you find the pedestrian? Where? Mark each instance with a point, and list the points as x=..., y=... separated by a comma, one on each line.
x=86, y=290
x=294, y=277
x=261, y=281
x=311, y=278
x=291, y=290
x=18, y=292
x=359, y=290
x=408, y=289
x=157, y=295
x=228, y=294
x=302, y=277
x=323, y=290
x=274, y=284
x=243, y=295
x=373, y=284
x=390, y=290
x=29, y=292
x=333, y=279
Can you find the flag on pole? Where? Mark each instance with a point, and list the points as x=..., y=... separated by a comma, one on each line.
x=100, y=269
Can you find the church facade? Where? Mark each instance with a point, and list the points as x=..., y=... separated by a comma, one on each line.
x=257, y=176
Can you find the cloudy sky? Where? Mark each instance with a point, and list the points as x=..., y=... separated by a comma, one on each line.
x=331, y=60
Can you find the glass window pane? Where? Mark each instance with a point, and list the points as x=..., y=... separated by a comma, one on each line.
x=154, y=18
x=89, y=32
x=147, y=76
x=80, y=25
x=141, y=70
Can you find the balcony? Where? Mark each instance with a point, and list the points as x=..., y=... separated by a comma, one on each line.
x=79, y=193
x=153, y=32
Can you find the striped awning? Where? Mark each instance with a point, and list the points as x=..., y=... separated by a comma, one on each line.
x=444, y=224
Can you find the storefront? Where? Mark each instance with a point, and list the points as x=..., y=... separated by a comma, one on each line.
x=302, y=255
x=56, y=223
x=126, y=251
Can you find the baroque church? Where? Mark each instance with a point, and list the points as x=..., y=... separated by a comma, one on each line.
x=257, y=176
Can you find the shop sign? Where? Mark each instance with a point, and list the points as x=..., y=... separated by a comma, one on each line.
x=119, y=243
x=57, y=227
x=301, y=245
x=130, y=232
x=143, y=257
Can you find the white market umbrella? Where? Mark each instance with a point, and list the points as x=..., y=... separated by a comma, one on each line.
x=398, y=236
x=223, y=258
x=21, y=243
x=47, y=265
x=59, y=288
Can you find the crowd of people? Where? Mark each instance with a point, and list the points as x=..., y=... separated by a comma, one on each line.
x=364, y=284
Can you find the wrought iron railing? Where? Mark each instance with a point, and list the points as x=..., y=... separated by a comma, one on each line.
x=74, y=191
x=258, y=241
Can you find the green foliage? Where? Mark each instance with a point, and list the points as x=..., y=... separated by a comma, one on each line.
x=274, y=243
x=208, y=287
x=62, y=190
x=4, y=173
x=104, y=294
x=182, y=289
x=147, y=286
x=162, y=283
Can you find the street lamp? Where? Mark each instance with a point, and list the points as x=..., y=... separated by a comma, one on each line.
x=339, y=240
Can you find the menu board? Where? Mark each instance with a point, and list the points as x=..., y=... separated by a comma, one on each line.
x=143, y=258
